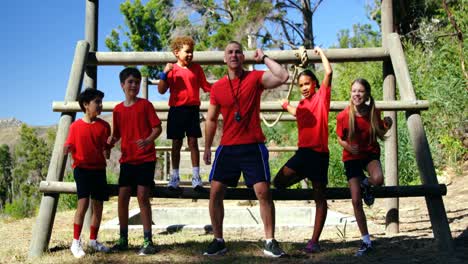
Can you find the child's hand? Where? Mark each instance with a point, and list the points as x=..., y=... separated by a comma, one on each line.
x=258, y=55
x=142, y=143
x=284, y=101
x=67, y=149
x=111, y=141
x=168, y=67
x=388, y=122
x=318, y=50
x=354, y=149
x=207, y=157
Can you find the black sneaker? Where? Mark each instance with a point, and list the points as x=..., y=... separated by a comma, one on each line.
x=367, y=194
x=364, y=249
x=272, y=249
x=122, y=245
x=216, y=248
x=148, y=248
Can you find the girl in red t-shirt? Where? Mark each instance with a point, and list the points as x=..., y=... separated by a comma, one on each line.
x=358, y=126
x=311, y=159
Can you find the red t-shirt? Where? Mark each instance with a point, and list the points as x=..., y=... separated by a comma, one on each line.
x=312, y=120
x=87, y=142
x=185, y=84
x=132, y=123
x=362, y=135
x=248, y=93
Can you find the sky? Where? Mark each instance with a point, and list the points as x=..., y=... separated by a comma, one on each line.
x=38, y=40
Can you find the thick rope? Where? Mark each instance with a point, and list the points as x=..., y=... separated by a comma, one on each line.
x=297, y=69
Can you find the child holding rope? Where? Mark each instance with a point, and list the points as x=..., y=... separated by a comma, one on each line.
x=87, y=142
x=184, y=79
x=311, y=159
x=358, y=126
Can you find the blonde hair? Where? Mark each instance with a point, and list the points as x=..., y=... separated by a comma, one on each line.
x=375, y=130
x=179, y=42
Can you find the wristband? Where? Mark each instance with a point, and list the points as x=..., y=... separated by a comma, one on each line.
x=263, y=58
x=163, y=76
x=285, y=105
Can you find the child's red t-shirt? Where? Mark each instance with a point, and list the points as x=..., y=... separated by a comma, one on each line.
x=185, y=84
x=248, y=93
x=312, y=120
x=132, y=123
x=362, y=135
x=87, y=142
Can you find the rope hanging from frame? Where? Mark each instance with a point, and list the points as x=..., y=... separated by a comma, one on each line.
x=297, y=69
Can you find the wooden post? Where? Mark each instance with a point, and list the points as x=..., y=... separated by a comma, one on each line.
x=144, y=87
x=45, y=219
x=91, y=36
x=391, y=143
x=435, y=204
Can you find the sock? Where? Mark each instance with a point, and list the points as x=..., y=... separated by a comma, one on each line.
x=219, y=239
x=366, y=239
x=148, y=235
x=93, y=231
x=268, y=240
x=124, y=233
x=196, y=172
x=77, y=231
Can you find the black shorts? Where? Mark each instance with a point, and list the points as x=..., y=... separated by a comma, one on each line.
x=250, y=159
x=356, y=168
x=91, y=183
x=310, y=164
x=133, y=175
x=183, y=121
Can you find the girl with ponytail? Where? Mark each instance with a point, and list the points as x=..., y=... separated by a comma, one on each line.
x=358, y=126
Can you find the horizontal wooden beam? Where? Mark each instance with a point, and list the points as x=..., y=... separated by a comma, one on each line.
x=248, y=194
x=335, y=106
x=217, y=57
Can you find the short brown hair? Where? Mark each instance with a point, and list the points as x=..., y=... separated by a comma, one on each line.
x=179, y=42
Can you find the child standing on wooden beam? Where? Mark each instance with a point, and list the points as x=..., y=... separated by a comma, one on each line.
x=135, y=122
x=358, y=126
x=87, y=142
x=184, y=79
x=312, y=157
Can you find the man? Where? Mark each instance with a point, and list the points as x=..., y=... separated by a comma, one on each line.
x=242, y=147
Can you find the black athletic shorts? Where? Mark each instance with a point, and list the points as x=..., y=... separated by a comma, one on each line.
x=91, y=183
x=310, y=164
x=249, y=159
x=133, y=175
x=356, y=168
x=183, y=121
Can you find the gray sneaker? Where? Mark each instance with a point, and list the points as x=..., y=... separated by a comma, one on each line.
x=148, y=248
x=216, y=248
x=272, y=249
x=364, y=249
x=98, y=247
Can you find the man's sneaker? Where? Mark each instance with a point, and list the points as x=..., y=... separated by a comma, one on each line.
x=312, y=247
x=197, y=182
x=122, y=245
x=173, y=183
x=216, y=248
x=98, y=247
x=272, y=249
x=364, y=249
x=77, y=249
x=367, y=194
x=148, y=248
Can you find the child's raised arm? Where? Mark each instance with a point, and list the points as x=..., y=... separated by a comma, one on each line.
x=326, y=66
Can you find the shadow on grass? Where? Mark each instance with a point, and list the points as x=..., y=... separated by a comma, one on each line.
x=399, y=249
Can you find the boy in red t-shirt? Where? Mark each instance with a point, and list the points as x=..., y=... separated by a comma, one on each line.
x=311, y=159
x=358, y=126
x=184, y=79
x=135, y=122
x=87, y=142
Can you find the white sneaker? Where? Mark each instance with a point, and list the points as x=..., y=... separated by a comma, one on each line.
x=197, y=181
x=98, y=247
x=77, y=249
x=174, y=182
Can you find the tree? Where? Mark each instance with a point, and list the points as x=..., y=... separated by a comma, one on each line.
x=5, y=175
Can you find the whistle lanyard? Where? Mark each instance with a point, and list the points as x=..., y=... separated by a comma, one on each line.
x=236, y=96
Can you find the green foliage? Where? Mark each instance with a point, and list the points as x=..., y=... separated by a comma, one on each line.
x=6, y=164
x=68, y=201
